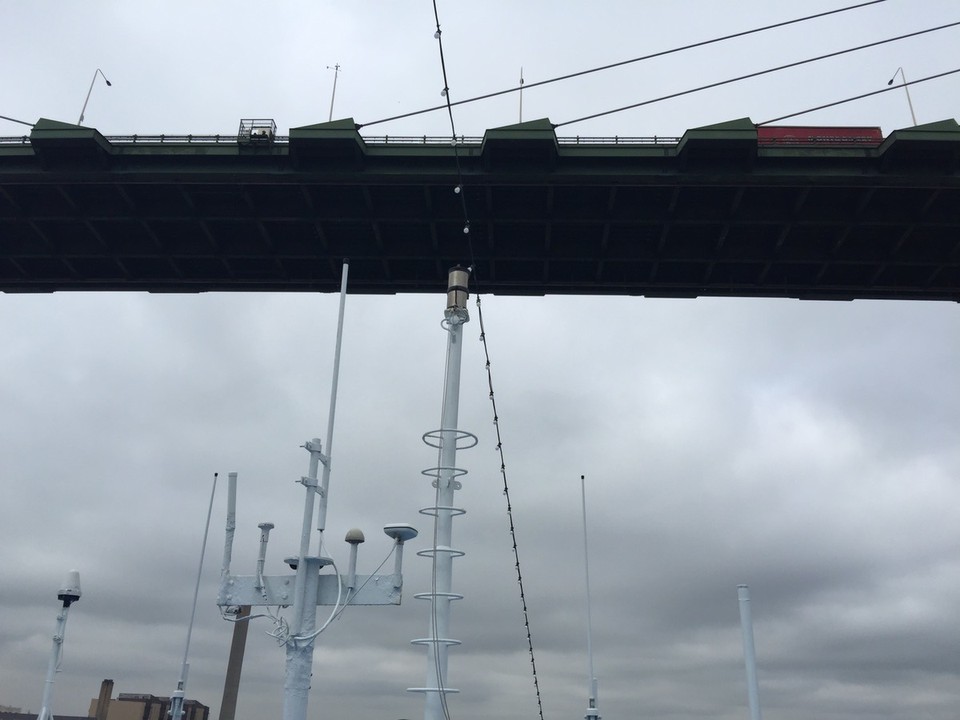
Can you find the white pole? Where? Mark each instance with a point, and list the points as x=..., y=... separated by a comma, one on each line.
x=521, y=94
x=336, y=71
x=749, y=654
x=46, y=709
x=231, y=523
x=332, y=413
x=299, y=645
x=69, y=593
x=592, y=713
x=299, y=661
x=177, y=697
x=441, y=594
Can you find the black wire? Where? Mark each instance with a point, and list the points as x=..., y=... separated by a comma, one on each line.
x=691, y=46
x=496, y=420
x=4, y=117
x=506, y=494
x=756, y=74
x=453, y=138
x=859, y=97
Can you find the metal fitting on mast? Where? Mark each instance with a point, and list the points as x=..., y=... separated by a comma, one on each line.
x=458, y=281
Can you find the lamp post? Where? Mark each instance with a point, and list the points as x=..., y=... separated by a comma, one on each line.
x=906, y=90
x=333, y=95
x=84, y=109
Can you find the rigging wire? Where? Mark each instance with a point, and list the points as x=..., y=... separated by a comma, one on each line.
x=755, y=74
x=448, y=105
x=859, y=97
x=506, y=494
x=453, y=130
x=434, y=620
x=459, y=189
x=4, y=117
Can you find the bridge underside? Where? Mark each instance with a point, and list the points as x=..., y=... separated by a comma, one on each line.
x=714, y=213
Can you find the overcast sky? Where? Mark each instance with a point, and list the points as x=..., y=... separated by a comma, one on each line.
x=806, y=448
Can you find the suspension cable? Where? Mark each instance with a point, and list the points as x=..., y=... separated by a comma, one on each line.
x=755, y=74
x=859, y=97
x=621, y=63
x=460, y=190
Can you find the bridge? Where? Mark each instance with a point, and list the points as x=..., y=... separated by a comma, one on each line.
x=719, y=211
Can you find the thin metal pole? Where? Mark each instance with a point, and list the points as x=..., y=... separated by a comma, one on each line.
x=231, y=523
x=441, y=594
x=906, y=89
x=331, y=415
x=176, y=699
x=336, y=71
x=749, y=653
x=22, y=122
x=300, y=643
x=299, y=661
x=591, y=679
x=84, y=109
x=46, y=709
x=521, y=93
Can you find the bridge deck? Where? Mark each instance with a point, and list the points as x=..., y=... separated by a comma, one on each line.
x=711, y=213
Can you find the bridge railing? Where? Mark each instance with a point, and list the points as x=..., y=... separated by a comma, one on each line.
x=461, y=140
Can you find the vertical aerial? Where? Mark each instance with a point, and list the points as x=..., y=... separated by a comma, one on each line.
x=592, y=712
x=447, y=440
x=749, y=654
x=68, y=594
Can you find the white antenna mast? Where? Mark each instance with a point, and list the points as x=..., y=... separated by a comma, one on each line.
x=749, y=653
x=592, y=713
x=68, y=594
x=308, y=588
x=333, y=95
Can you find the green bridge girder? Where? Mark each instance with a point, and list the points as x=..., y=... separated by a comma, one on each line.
x=715, y=213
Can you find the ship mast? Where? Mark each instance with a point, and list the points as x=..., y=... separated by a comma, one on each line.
x=447, y=440
x=308, y=588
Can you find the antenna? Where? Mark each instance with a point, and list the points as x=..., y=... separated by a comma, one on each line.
x=749, y=653
x=69, y=593
x=176, y=698
x=336, y=71
x=307, y=589
x=592, y=713
x=521, y=93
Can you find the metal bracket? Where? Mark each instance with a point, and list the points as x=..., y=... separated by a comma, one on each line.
x=278, y=590
x=310, y=482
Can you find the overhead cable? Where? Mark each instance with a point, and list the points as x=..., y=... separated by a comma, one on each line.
x=459, y=190
x=4, y=117
x=438, y=35
x=754, y=74
x=611, y=66
x=859, y=97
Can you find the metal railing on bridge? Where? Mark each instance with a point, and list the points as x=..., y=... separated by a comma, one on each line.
x=461, y=140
